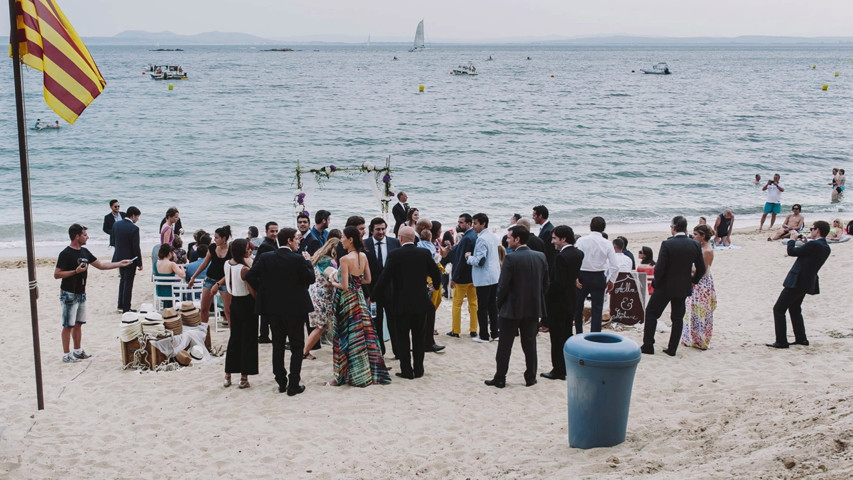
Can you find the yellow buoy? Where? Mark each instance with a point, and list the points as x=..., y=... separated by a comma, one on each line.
x=836, y=74
x=171, y=86
x=814, y=66
x=421, y=88
x=825, y=86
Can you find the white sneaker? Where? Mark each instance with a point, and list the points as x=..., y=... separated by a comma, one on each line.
x=479, y=340
x=69, y=358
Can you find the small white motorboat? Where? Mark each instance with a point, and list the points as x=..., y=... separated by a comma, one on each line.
x=167, y=72
x=660, y=69
x=468, y=69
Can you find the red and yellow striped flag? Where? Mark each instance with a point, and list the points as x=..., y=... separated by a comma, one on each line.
x=49, y=44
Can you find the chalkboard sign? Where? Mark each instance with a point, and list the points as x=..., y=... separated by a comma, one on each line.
x=627, y=299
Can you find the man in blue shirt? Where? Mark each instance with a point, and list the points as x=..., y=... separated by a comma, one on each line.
x=485, y=274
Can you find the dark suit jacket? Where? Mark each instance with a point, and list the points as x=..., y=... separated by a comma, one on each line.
x=810, y=257
x=524, y=281
x=126, y=235
x=461, y=272
x=389, y=244
x=281, y=279
x=309, y=244
x=548, y=247
x=563, y=289
x=536, y=244
x=406, y=272
x=676, y=259
x=399, y=216
x=266, y=246
x=109, y=221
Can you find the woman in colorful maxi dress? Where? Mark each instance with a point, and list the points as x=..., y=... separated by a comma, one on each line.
x=699, y=317
x=357, y=356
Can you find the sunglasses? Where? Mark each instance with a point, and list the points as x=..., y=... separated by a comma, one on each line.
x=812, y=229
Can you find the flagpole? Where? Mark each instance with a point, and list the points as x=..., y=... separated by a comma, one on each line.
x=25, y=192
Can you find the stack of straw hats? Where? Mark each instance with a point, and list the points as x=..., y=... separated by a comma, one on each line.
x=190, y=315
x=152, y=324
x=172, y=321
x=131, y=327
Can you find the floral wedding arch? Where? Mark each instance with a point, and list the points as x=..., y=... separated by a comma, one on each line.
x=380, y=183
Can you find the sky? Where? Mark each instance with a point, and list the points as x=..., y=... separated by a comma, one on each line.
x=463, y=19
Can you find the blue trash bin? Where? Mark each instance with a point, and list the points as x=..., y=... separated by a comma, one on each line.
x=599, y=375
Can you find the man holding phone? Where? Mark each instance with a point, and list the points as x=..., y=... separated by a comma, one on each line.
x=773, y=206
x=72, y=267
x=127, y=248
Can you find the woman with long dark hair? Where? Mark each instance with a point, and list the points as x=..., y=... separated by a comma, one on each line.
x=215, y=280
x=167, y=231
x=242, y=356
x=357, y=355
x=647, y=266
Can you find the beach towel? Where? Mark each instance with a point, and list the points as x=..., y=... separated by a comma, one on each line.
x=723, y=247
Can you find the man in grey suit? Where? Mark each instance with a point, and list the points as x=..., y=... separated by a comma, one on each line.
x=521, y=300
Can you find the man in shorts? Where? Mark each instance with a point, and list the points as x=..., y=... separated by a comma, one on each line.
x=774, y=201
x=72, y=268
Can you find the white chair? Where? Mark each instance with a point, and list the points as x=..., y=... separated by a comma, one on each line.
x=166, y=289
x=218, y=316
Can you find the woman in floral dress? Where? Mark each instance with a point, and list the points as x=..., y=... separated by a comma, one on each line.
x=322, y=294
x=699, y=317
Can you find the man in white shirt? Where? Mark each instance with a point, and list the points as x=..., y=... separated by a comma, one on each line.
x=598, y=272
x=624, y=262
x=774, y=201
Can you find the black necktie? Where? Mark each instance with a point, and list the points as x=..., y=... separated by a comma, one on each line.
x=379, y=254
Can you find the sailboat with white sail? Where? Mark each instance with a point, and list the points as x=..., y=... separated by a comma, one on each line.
x=419, y=38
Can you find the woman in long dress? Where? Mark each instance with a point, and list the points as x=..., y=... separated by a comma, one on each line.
x=699, y=317
x=357, y=356
x=322, y=294
x=167, y=231
x=242, y=356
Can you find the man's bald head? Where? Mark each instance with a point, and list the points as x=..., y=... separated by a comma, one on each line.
x=406, y=234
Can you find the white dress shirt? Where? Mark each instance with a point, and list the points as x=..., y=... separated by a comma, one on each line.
x=598, y=255
x=624, y=262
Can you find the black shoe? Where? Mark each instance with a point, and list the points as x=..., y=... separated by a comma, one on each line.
x=496, y=383
x=295, y=391
x=282, y=387
x=530, y=383
x=403, y=375
x=473, y=334
x=648, y=349
x=552, y=376
x=669, y=352
x=777, y=345
x=419, y=374
x=804, y=343
x=436, y=348
x=451, y=334
x=264, y=340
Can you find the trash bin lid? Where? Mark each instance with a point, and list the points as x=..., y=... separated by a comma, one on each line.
x=604, y=350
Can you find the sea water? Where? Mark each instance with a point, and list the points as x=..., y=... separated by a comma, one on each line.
x=579, y=130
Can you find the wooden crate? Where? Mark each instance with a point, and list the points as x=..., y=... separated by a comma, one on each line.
x=155, y=357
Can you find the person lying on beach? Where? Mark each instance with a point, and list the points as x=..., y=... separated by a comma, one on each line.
x=791, y=226
x=836, y=230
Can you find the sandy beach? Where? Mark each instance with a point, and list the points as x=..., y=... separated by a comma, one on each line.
x=737, y=410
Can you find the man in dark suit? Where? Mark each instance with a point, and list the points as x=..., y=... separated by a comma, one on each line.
x=111, y=218
x=400, y=210
x=281, y=279
x=535, y=243
x=540, y=216
x=561, y=297
x=405, y=272
x=126, y=235
x=673, y=283
x=270, y=244
x=521, y=300
x=377, y=247
x=309, y=243
x=802, y=279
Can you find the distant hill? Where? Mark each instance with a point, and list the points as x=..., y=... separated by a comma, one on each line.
x=138, y=37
